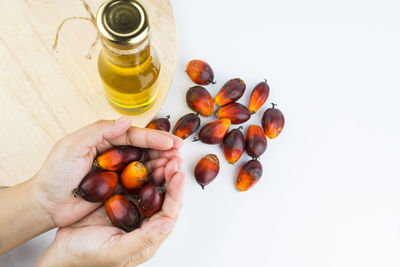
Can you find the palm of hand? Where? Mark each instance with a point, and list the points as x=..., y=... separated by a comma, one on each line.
x=66, y=172
x=92, y=236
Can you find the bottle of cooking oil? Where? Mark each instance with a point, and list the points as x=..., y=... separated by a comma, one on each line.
x=128, y=65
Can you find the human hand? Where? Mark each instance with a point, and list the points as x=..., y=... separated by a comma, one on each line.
x=93, y=241
x=72, y=157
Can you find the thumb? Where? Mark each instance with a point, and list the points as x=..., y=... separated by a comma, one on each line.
x=141, y=244
x=96, y=134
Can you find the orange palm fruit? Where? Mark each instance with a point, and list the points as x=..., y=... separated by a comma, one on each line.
x=235, y=112
x=134, y=176
x=214, y=132
x=256, y=142
x=97, y=186
x=249, y=174
x=231, y=91
x=116, y=158
x=273, y=122
x=206, y=170
x=200, y=72
x=233, y=145
x=187, y=125
x=122, y=213
x=200, y=100
x=161, y=124
x=258, y=96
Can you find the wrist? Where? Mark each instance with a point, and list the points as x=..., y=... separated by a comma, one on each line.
x=39, y=202
x=22, y=216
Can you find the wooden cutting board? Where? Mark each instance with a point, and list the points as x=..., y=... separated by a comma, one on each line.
x=45, y=93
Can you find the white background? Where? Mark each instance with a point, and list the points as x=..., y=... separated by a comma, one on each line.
x=329, y=195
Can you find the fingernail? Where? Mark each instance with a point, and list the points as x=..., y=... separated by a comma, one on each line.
x=122, y=120
x=176, y=166
x=167, y=227
x=178, y=143
x=179, y=162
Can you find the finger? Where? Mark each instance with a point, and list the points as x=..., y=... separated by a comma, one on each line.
x=171, y=169
x=102, y=135
x=94, y=137
x=161, y=174
x=155, y=164
x=158, y=176
x=180, y=163
x=169, y=154
x=138, y=245
x=173, y=198
x=148, y=138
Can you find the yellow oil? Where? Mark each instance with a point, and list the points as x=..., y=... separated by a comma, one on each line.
x=130, y=79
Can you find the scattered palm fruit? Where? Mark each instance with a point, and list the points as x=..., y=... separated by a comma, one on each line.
x=273, y=122
x=116, y=158
x=122, y=213
x=258, y=96
x=214, y=132
x=200, y=100
x=231, y=91
x=100, y=186
x=97, y=186
x=233, y=145
x=161, y=124
x=235, y=112
x=249, y=174
x=187, y=125
x=150, y=199
x=206, y=170
x=200, y=72
x=256, y=142
x=134, y=176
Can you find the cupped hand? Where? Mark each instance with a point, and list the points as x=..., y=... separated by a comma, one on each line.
x=93, y=241
x=72, y=157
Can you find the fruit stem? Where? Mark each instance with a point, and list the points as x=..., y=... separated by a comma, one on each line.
x=202, y=186
x=161, y=189
x=197, y=113
x=96, y=164
x=265, y=80
x=195, y=139
x=273, y=105
x=240, y=128
x=76, y=192
x=168, y=116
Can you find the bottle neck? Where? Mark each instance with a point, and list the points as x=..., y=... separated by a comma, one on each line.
x=127, y=56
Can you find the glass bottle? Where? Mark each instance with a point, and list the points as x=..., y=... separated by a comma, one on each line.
x=128, y=65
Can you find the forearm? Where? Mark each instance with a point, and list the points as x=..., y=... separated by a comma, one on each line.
x=22, y=217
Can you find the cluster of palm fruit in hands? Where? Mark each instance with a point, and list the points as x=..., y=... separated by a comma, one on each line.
x=234, y=143
x=121, y=181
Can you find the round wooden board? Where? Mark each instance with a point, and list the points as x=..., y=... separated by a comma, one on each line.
x=45, y=93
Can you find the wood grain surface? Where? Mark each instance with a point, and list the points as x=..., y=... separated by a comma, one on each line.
x=45, y=93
